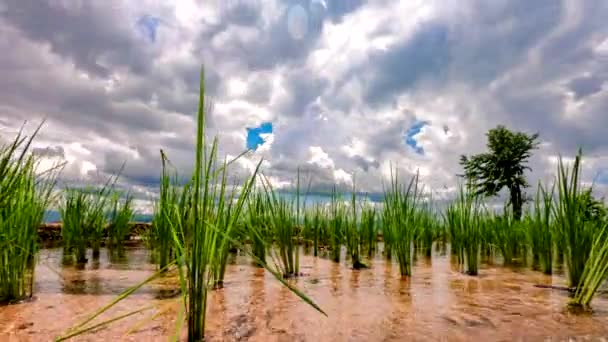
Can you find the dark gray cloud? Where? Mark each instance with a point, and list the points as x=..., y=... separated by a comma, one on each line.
x=585, y=86
x=425, y=55
x=111, y=95
x=90, y=35
x=49, y=151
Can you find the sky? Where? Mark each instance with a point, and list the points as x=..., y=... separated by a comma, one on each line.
x=341, y=90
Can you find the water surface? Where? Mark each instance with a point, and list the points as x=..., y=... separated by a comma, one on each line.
x=438, y=303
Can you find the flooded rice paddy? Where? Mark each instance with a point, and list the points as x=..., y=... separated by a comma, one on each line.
x=438, y=303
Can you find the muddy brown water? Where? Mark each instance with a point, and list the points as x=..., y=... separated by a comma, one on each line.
x=438, y=303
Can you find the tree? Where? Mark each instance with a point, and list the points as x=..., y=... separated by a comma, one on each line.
x=503, y=166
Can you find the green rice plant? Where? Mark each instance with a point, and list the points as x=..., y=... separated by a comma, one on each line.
x=401, y=219
x=197, y=236
x=165, y=211
x=83, y=213
x=314, y=227
x=369, y=229
x=256, y=224
x=506, y=234
x=282, y=224
x=224, y=210
x=387, y=239
x=120, y=216
x=353, y=233
x=465, y=224
x=573, y=222
x=337, y=223
x=24, y=197
x=540, y=226
x=204, y=227
x=595, y=271
x=427, y=232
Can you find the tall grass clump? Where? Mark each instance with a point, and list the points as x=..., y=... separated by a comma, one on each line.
x=120, y=215
x=228, y=225
x=256, y=225
x=353, y=233
x=573, y=224
x=282, y=225
x=24, y=198
x=199, y=232
x=595, y=271
x=83, y=213
x=506, y=234
x=369, y=229
x=201, y=228
x=540, y=227
x=337, y=222
x=428, y=229
x=165, y=211
x=401, y=219
x=465, y=225
x=581, y=223
x=315, y=223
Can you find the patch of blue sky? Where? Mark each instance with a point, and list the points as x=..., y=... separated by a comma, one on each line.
x=410, y=139
x=254, y=135
x=602, y=176
x=148, y=25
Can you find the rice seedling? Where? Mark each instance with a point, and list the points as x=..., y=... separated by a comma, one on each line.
x=225, y=206
x=353, y=233
x=197, y=235
x=465, y=224
x=401, y=219
x=83, y=213
x=506, y=234
x=120, y=216
x=337, y=221
x=595, y=271
x=369, y=229
x=540, y=226
x=256, y=225
x=574, y=224
x=24, y=197
x=282, y=225
x=315, y=221
x=427, y=232
x=165, y=211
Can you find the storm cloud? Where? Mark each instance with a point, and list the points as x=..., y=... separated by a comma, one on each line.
x=341, y=83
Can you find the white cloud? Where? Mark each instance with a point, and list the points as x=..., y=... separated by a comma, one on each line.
x=340, y=96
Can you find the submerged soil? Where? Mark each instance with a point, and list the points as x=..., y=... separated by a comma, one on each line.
x=436, y=303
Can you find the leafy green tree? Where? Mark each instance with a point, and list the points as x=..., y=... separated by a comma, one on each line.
x=503, y=166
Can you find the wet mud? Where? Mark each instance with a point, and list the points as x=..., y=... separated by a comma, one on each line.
x=438, y=303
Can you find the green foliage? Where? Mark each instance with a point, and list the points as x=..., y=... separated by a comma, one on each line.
x=369, y=229
x=282, y=224
x=353, y=232
x=401, y=219
x=256, y=224
x=83, y=213
x=201, y=222
x=540, y=229
x=337, y=223
x=578, y=220
x=120, y=215
x=506, y=234
x=23, y=199
x=503, y=166
x=595, y=271
x=464, y=219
